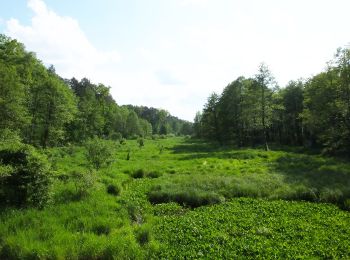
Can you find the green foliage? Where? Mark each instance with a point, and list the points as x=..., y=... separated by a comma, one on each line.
x=313, y=113
x=99, y=153
x=254, y=229
x=159, y=121
x=116, y=136
x=83, y=182
x=26, y=176
x=49, y=111
x=141, y=142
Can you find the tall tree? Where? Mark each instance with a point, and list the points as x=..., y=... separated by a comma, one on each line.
x=52, y=107
x=264, y=80
x=210, y=118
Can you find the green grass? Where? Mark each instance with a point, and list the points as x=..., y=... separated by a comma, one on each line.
x=159, y=203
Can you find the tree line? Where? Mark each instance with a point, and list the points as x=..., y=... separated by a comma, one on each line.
x=47, y=110
x=256, y=111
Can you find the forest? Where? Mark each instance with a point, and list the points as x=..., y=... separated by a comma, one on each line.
x=314, y=113
x=47, y=110
x=263, y=171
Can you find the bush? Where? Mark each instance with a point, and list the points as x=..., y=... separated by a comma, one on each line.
x=155, y=137
x=83, y=182
x=116, y=136
x=113, y=189
x=28, y=176
x=141, y=142
x=99, y=153
x=346, y=205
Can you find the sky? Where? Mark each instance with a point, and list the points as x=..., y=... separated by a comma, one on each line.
x=173, y=54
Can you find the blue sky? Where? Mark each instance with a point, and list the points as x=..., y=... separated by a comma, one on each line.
x=172, y=54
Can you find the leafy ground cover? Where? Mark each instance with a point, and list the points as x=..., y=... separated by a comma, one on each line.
x=181, y=198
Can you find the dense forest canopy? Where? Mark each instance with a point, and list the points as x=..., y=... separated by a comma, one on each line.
x=313, y=112
x=47, y=110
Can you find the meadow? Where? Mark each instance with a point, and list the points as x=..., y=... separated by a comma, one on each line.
x=184, y=198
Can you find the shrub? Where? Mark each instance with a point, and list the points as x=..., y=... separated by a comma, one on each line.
x=133, y=137
x=9, y=138
x=83, y=182
x=116, y=136
x=346, y=205
x=113, y=189
x=28, y=176
x=99, y=153
x=141, y=142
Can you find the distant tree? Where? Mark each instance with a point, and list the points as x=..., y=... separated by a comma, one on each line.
x=99, y=153
x=210, y=120
x=264, y=80
x=197, y=125
x=132, y=124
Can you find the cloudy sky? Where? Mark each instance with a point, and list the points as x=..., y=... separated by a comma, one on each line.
x=172, y=54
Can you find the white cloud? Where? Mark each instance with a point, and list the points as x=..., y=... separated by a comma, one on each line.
x=59, y=41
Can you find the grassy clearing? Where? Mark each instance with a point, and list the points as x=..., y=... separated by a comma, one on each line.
x=148, y=203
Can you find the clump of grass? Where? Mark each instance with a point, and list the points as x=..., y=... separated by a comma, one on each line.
x=113, y=189
x=143, y=235
x=135, y=213
x=101, y=229
x=141, y=173
x=138, y=174
x=192, y=198
x=154, y=174
x=172, y=171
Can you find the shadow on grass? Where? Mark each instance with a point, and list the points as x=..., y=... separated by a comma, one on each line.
x=305, y=176
x=314, y=178
x=195, y=146
x=313, y=171
x=199, y=149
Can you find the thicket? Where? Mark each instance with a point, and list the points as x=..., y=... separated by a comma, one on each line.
x=25, y=173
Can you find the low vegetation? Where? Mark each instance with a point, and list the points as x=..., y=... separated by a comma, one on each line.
x=207, y=201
